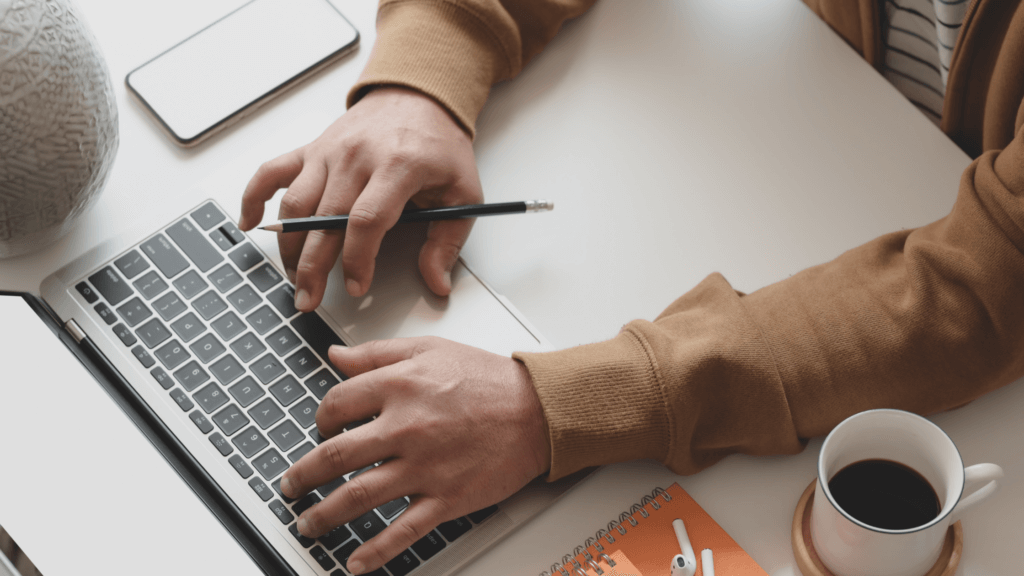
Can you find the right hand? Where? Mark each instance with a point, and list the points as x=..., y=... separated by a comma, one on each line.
x=394, y=146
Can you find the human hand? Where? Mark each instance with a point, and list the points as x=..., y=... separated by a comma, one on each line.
x=457, y=429
x=394, y=146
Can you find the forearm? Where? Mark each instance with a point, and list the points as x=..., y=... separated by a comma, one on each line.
x=922, y=320
x=454, y=50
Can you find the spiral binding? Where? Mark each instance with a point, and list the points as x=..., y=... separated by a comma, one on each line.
x=592, y=548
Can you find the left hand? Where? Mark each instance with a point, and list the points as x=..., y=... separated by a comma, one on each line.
x=457, y=429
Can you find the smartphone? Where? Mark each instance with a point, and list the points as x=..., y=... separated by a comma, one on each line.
x=229, y=69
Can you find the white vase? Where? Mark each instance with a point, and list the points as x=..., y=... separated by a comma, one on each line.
x=58, y=122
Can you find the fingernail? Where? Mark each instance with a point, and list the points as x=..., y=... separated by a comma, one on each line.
x=353, y=287
x=336, y=348
x=302, y=525
x=291, y=275
x=302, y=299
x=356, y=567
x=286, y=485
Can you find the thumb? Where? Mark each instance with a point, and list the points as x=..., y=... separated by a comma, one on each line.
x=445, y=240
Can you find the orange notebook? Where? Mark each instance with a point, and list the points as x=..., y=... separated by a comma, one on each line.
x=642, y=542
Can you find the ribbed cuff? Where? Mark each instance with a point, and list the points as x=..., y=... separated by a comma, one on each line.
x=603, y=403
x=437, y=48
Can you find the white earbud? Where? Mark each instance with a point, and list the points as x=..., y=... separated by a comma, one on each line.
x=684, y=564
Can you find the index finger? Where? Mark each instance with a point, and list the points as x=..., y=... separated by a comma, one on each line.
x=270, y=177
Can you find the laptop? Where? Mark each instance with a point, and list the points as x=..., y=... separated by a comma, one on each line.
x=191, y=331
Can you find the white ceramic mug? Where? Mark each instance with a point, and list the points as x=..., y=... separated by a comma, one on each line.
x=849, y=547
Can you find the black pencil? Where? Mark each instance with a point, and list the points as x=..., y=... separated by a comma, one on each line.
x=415, y=215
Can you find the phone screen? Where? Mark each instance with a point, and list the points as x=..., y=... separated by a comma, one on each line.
x=238, y=62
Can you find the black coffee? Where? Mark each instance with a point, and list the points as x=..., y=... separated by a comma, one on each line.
x=885, y=494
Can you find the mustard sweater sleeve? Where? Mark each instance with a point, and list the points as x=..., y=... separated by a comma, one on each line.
x=922, y=320
x=454, y=50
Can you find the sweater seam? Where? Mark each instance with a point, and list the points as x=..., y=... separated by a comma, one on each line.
x=481, y=23
x=656, y=370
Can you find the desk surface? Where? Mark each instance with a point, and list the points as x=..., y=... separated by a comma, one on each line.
x=676, y=138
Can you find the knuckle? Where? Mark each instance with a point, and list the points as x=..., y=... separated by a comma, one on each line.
x=408, y=533
x=292, y=204
x=359, y=494
x=365, y=218
x=333, y=455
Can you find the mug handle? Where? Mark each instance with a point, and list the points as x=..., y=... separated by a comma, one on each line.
x=973, y=474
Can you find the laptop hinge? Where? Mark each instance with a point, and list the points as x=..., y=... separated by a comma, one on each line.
x=75, y=330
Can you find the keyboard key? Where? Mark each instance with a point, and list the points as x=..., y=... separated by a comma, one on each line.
x=305, y=412
x=342, y=554
x=303, y=540
x=201, y=422
x=267, y=368
x=162, y=378
x=315, y=435
x=143, y=357
x=481, y=515
x=286, y=435
x=322, y=557
x=263, y=320
x=125, y=335
x=207, y=348
x=228, y=326
x=321, y=382
x=283, y=298
x=261, y=489
x=244, y=299
x=210, y=397
x=131, y=264
x=297, y=454
x=172, y=354
x=106, y=313
x=240, y=466
x=188, y=327
x=153, y=333
x=367, y=526
x=248, y=347
x=134, y=311
x=335, y=537
x=264, y=277
x=282, y=512
x=221, y=240
x=208, y=216
x=227, y=369
x=209, y=305
x=283, y=340
x=246, y=391
x=191, y=376
x=402, y=564
x=429, y=545
x=184, y=402
x=190, y=284
x=222, y=445
x=277, y=488
x=225, y=278
x=250, y=442
x=391, y=509
x=361, y=471
x=169, y=306
x=91, y=297
x=331, y=486
x=195, y=246
x=232, y=232
x=150, y=285
x=454, y=528
x=305, y=503
x=246, y=256
x=302, y=362
x=287, y=390
x=168, y=260
x=230, y=420
x=266, y=413
x=270, y=464
x=111, y=286
x=357, y=424
x=316, y=333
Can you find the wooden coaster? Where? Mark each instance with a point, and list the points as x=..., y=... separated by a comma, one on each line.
x=810, y=565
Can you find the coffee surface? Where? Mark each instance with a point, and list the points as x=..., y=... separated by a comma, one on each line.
x=885, y=494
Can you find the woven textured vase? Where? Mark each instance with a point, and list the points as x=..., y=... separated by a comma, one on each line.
x=58, y=122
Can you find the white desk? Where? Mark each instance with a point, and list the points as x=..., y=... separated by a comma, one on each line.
x=677, y=138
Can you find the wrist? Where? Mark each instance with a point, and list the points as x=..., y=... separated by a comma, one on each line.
x=535, y=423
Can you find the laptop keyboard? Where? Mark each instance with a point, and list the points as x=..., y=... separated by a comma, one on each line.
x=202, y=309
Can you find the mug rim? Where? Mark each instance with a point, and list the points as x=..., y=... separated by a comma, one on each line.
x=828, y=493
